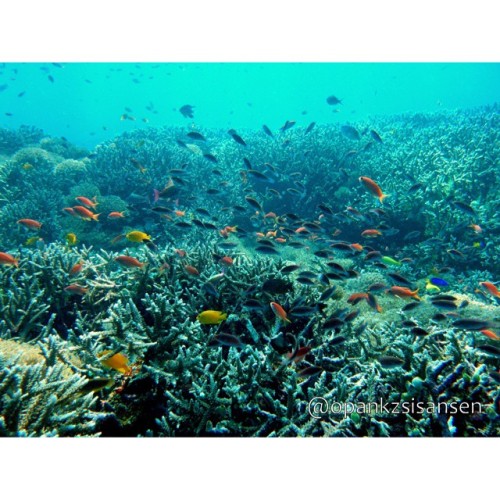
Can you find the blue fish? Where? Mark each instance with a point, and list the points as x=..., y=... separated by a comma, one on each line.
x=439, y=282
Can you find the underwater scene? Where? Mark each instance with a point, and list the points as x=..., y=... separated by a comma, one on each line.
x=249, y=250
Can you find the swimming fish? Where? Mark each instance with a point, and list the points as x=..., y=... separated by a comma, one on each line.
x=373, y=187
x=187, y=111
x=404, y=292
x=279, y=312
x=118, y=362
x=76, y=289
x=8, y=260
x=88, y=203
x=138, y=237
x=332, y=100
x=128, y=261
x=211, y=317
x=267, y=130
x=85, y=213
x=491, y=288
x=30, y=223
x=350, y=132
x=116, y=215
x=71, y=239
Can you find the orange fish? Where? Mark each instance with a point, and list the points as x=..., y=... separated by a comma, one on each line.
x=357, y=297
x=86, y=214
x=298, y=355
x=118, y=362
x=490, y=334
x=30, y=223
x=301, y=229
x=76, y=269
x=8, y=260
x=476, y=228
x=226, y=260
x=279, y=312
x=404, y=292
x=127, y=261
x=371, y=233
x=280, y=240
x=373, y=187
x=181, y=253
x=224, y=233
x=88, y=203
x=191, y=270
x=357, y=247
x=491, y=288
x=70, y=211
x=231, y=229
x=116, y=215
x=76, y=289
x=180, y=213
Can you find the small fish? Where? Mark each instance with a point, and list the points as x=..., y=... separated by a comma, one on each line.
x=390, y=361
x=310, y=371
x=372, y=302
x=298, y=355
x=412, y=235
x=309, y=128
x=118, y=362
x=211, y=317
x=333, y=323
x=8, y=260
x=390, y=261
x=350, y=132
x=404, y=292
x=30, y=224
x=210, y=157
x=490, y=334
x=444, y=304
x=439, y=282
x=279, y=312
x=398, y=278
x=226, y=340
x=236, y=137
x=27, y=166
x=117, y=215
x=76, y=289
x=51, y=78
x=490, y=288
x=76, y=268
x=88, y=203
x=267, y=130
x=253, y=203
x=332, y=100
x=195, y=136
x=127, y=261
x=357, y=297
x=419, y=331
x=187, y=111
x=471, y=324
x=375, y=136
x=410, y=306
x=71, y=239
x=464, y=207
x=373, y=187
x=191, y=270
x=85, y=213
x=138, y=237
x=288, y=125
x=371, y=233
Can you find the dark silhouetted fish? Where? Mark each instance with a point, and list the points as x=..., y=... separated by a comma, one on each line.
x=464, y=207
x=332, y=100
x=277, y=285
x=309, y=128
x=471, y=324
x=253, y=203
x=266, y=250
x=187, y=111
x=375, y=136
x=288, y=125
x=195, y=136
x=225, y=339
x=210, y=157
x=390, y=361
x=267, y=130
x=350, y=132
x=236, y=137
x=490, y=349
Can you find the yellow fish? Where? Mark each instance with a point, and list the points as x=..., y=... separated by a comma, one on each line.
x=138, y=237
x=118, y=362
x=71, y=239
x=27, y=166
x=211, y=317
x=432, y=288
x=31, y=241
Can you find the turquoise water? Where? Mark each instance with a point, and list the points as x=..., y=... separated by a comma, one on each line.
x=85, y=101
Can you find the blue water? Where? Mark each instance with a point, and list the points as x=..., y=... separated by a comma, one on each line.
x=85, y=101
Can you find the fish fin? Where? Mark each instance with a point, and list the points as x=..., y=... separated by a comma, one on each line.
x=382, y=197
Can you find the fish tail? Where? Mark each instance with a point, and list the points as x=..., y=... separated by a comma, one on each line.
x=96, y=217
x=382, y=197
